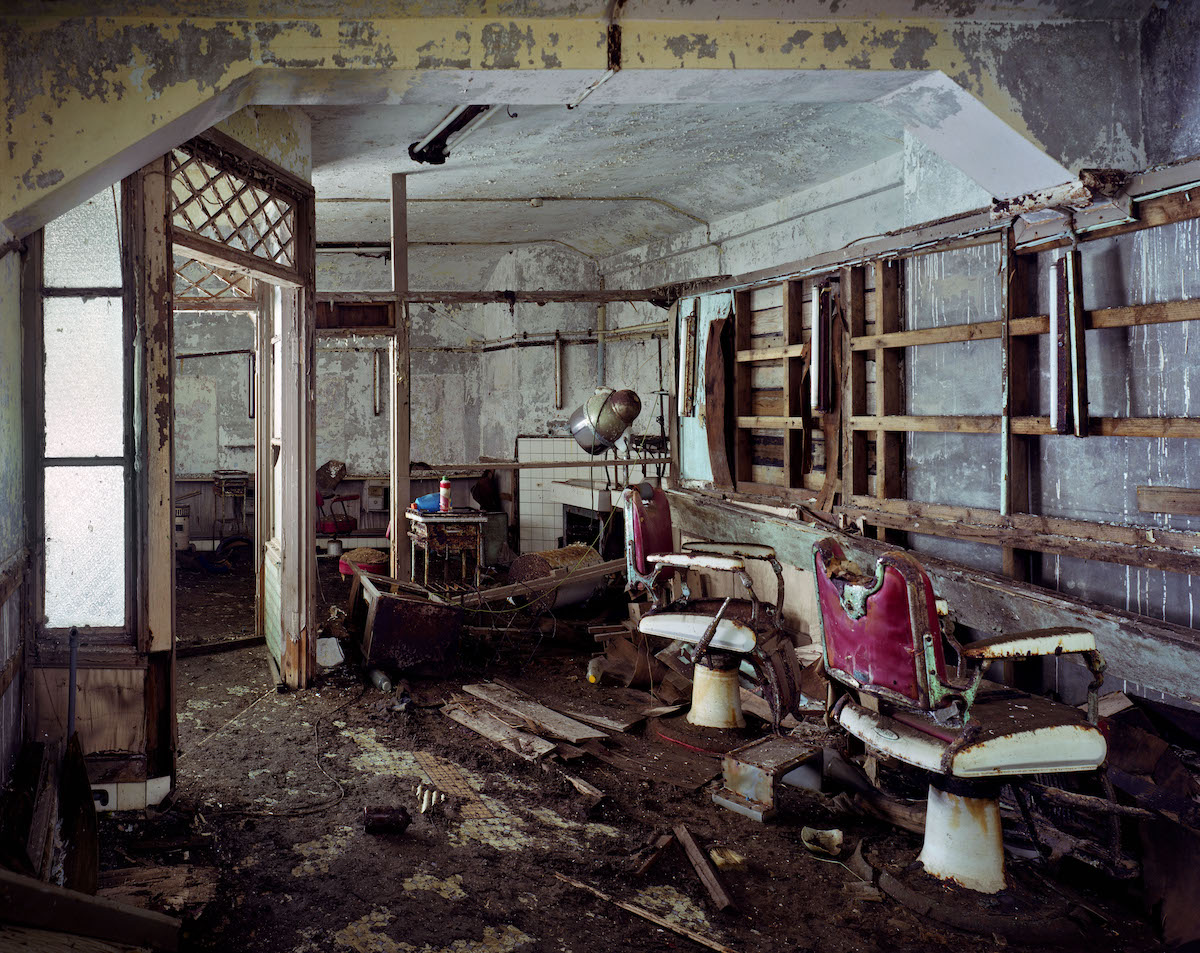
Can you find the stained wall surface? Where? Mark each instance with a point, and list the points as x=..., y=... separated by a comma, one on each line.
x=12, y=518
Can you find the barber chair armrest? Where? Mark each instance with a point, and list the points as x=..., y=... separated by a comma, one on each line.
x=1056, y=641
x=746, y=551
x=699, y=561
x=1062, y=640
x=739, y=550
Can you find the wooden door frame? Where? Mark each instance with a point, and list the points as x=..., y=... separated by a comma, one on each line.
x=297, y=284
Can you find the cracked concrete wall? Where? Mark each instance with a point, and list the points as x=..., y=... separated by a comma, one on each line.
x=1134, y=372
x=282, y=134
x=445, y=394
x=1171, y=80
x=517, y=384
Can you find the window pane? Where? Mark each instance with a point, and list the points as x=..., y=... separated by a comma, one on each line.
x=85, y=377
x=83, y=248
x=85, y=546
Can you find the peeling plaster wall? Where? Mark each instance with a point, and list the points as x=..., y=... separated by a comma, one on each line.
x=281, y=134
x=933, y=188
x=517, y=384
x=445, y=395
x=12, y=498
x=213, y=429
x=1171, y=80
x=12, y=502
x=1145, y=371
x=133, y=83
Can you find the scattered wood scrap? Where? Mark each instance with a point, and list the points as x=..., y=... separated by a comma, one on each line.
x=647, y=915
x=28, y=940
x=25, y=901
x=223, y=645
x=663, y=766
x=185, y=889
x=483, y=722
x=613, y=709
x=535, y=713
x=661, y=845
x=704, y=869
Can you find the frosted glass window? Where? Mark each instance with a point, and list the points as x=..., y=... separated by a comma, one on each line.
x=85, y=377
x=83, y=247
x=85, y=546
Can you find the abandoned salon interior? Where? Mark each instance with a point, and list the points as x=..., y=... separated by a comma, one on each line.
x=589, y=475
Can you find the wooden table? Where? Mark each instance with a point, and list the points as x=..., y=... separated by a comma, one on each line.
x=459, y=531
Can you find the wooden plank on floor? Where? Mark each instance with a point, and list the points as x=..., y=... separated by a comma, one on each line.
x=661, y=765
x=483, y=722
x=524, y=707
x=703, y=867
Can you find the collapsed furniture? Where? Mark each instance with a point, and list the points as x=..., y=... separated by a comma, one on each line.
x=885, y=657
x=727, y=633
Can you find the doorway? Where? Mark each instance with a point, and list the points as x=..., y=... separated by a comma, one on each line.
x=240, y=232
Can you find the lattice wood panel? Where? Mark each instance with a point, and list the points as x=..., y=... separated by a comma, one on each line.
x=198, y=282
x=225, y=208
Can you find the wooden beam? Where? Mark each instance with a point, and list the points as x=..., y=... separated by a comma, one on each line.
x=758, y=354
x=1145, y=547
x=401, y=456
x=216, y=253
x=1075, y=324
x=1179, y=500
x=598, y=296
x=854, y=400
x=743, y=457
x=29, y=902
x=889, y=393
x=703, y=867
x=1020, y=353
x=1172, y=427
x=795, y=458
x=477, y=468
x=1163, y=210
x=1129, y=316
x=1156, y=655
x=762, y=422
x=154, y=276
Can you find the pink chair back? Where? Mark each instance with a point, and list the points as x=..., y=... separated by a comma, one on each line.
x=874, y=626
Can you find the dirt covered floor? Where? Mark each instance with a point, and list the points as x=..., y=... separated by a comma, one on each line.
x=269, y=813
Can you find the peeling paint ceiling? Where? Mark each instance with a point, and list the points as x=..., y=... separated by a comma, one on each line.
x=633, y=173
x=633, y=10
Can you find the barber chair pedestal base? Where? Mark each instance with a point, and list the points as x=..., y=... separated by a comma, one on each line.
x=963, y=840
x=716, y=697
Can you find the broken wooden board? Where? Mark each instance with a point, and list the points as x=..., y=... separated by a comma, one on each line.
x=661, y=765
x=28, y=940
x=483, y=722
x=185, y=889
x=661, y=845
x=525, y=708
x=604, y=706
x=29, y=902
x=704, y=869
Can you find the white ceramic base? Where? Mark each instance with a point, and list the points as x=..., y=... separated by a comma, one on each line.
x=716, y=699
x=963, y=841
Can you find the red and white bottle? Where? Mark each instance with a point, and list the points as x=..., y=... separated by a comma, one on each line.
x=444, y=490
